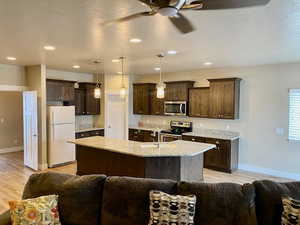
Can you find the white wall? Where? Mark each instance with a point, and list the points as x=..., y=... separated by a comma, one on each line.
x=264, y=107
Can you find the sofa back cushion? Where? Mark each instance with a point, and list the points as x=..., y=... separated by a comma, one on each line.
x=126, y=200
x=269, y=194
x=222, y=204
x=79, y=197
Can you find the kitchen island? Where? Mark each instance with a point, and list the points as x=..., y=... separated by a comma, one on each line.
x=178, y=160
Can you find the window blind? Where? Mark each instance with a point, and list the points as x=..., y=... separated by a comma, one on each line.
x=294, y=114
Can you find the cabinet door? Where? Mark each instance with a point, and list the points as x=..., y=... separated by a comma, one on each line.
x=216, y=99
x=80, y=102
x=150, y=136
x=218, y=158
x=228, y=100
x=82, y=135
x=194, y=139
x=141, y=99
x=54, y=90
x=170, y=92
x=92, y=105
x=68, y=92
x=157, y=104
x=199, y=102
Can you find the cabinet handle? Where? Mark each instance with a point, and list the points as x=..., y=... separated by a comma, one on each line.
x=193, y=139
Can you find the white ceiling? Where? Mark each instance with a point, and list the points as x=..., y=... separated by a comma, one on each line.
x=237, y=37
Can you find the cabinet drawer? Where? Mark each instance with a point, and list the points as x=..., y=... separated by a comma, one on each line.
x=82, y=135
x=193, y=138
x=97, y=133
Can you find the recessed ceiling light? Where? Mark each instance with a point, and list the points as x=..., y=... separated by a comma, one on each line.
x=115, y=60
x=135, y=40
x=207, y=63
x=10, y=58
x=172, y=52
x=119, y=72
x=157, y=68
x=76, y=66
x=49, y=48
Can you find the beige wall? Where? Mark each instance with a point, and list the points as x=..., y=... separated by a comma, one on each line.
x=11, y=120
x=12, y=75
x=36, y=81
x=264, y=107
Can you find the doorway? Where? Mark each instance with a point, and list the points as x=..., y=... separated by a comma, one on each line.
x=11, y=121
x=116, y=117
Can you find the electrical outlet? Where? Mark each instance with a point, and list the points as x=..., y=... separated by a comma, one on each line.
x=2, y=120
x=227, y=127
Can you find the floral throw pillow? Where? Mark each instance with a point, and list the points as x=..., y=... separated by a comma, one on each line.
x=291, y=211
x=37, y=211
x=168, y=209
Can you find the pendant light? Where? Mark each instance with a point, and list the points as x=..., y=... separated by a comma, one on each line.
x=160, y=87
x=123, y=89
x=76, y=85
x=97, y=90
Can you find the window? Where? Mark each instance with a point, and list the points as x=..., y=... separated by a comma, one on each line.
x=294, y=114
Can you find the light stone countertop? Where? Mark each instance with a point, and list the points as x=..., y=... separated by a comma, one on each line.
x=146, y=128
x=211, y=133
x=88, y=129
x=140, y=149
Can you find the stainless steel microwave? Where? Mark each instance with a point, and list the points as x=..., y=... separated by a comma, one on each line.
x=176, y=108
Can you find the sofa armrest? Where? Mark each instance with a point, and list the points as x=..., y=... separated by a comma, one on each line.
x=5, y=218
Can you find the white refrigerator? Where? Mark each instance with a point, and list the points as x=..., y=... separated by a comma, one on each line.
x=61, y=128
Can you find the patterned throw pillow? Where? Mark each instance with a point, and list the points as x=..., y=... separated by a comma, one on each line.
x=291, y=211
x=37, y=211
x=168, y=209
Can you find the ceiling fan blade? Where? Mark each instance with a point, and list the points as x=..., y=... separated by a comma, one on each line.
x=231, y=4
x=182, y=23
x=131, y=17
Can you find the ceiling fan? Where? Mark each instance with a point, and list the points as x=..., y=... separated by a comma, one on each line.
x=173, y=9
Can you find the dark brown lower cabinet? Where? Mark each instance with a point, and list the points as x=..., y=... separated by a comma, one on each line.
x=223, y=158
x=142, y=135
x=90, y=133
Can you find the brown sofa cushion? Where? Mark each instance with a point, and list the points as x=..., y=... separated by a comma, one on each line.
x=79, y=197
x=269, y=200
x=5, y=218
x=126, y=200
x=222, y=204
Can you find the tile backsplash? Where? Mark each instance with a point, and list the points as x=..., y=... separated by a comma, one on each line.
x=84, y=122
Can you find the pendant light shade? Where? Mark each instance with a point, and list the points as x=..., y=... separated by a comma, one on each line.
x=160, y=87
x=123, y=90
x=97, y=90
x=76, y=85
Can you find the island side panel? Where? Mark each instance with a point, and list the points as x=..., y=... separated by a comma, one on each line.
x=192, y=168
x=163, y=168
x=99, y=161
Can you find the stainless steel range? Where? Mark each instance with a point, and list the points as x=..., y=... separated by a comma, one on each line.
x=177, y=128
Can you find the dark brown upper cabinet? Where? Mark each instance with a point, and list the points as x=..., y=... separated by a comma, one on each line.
x=142, y=98
x=199, y=102
x=157, y=104
x=60, y=90
x=85, y=102
x=178, y=90
x=224, y=98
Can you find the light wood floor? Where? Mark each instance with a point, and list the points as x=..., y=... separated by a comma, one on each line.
x=13, y=176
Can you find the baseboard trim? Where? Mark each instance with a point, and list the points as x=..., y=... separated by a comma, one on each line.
x=11, y=149
x=271, y=172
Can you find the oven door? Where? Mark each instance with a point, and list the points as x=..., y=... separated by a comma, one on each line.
x=175, y=108
x=170, y=137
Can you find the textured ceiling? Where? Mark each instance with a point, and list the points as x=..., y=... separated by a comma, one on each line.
x=262, y=35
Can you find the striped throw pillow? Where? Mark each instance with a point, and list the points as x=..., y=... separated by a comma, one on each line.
x=291, y=211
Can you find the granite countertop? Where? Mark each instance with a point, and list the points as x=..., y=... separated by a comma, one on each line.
x=88, y=129
x=157, y=129
x=171, y=149
x=211, y=133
